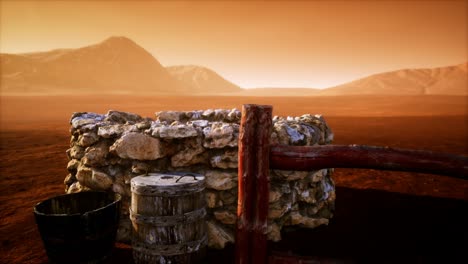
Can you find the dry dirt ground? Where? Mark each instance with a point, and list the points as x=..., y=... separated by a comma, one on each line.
x=380, y=216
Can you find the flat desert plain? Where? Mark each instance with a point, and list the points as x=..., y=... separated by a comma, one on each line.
x=380, y=216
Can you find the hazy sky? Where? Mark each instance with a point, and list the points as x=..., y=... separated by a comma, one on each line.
x=255, y=44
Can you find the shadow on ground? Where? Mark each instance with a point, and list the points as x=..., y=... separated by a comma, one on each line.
x=370, y=226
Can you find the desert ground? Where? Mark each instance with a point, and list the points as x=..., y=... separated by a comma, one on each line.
x=381, y=216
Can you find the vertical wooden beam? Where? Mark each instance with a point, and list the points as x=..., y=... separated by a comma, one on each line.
x=262, y=150
x=253, y=184
x=246, y=183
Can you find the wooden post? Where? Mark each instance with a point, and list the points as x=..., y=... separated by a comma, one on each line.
x=383, y=158
x=262, y=149
x=246, y=178
x=253, y=182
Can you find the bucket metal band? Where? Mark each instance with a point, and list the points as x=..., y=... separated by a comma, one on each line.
x=170, y=220
x=169, y=250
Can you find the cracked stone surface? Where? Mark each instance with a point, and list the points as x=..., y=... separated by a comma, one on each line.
x=137, y=146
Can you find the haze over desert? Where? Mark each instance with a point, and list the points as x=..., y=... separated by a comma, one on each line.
x=119, y=65
x=34, y=136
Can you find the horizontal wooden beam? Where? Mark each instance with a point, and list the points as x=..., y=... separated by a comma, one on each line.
x=305, y=158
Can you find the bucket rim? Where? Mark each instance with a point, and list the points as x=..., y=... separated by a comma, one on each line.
x=118, y=198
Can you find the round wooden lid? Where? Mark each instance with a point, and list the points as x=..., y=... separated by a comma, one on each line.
x=168, y=184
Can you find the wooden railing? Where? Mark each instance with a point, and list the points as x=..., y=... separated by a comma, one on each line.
x=257, y=157
x=367, y=157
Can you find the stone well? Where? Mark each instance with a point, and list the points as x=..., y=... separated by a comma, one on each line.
x=108, y=150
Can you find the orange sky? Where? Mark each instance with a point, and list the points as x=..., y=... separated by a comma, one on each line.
x=255, y=44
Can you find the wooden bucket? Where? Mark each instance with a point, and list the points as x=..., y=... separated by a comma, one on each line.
x=168, y=218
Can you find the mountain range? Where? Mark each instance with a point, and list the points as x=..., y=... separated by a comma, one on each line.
x=451, y=80
x=119, y=65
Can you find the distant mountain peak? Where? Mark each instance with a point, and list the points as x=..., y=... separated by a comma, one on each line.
x=115, y=64
x=202, y=79
x=120, y=42
x=118, y=39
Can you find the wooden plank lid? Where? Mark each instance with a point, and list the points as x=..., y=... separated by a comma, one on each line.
x=168, y=184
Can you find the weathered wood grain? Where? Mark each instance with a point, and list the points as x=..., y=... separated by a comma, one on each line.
x=253, y=175
x=246, y=181
x=168, y=218
x=304, y=158
x=262, y=169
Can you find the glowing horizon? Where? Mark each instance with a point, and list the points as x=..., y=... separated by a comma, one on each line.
x=300, y=44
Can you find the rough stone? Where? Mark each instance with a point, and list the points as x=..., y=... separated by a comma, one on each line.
x=290, y=175
x=307, y=196
x=211, y=199
x=87, y=139
x=221, y=135
x=190, y=154
x=218, y=236
x=327, y=189
x=312, y=210
x=124, y=231
x=76, y=187
x=73, y=165
x=274, y=196
x=84, y=175
x=80, y=119
x=175, y=131
x=96, y=155
x=316, y=176
x=287, y=135
x=226, y=160
x=194, y=115
x=76, y=152
x=183, y=160
x=274, y=232
x=120, y=188
x=143, y=125
x=225, y=217
x=89, y=128
x=101, y=181
x=121, y=184
x=234, y=115
x=309, y=222
x=283, y=187
x=93, y=178
x=137, y=146
x=198, y=123
x=139, y=167
x=110, y=131
x=208, y=114
x=115, y=170
x=278, y=209
x=69, y=179
x=170, y=116
x=229, y=196
x=122, y=117
x=220, y=180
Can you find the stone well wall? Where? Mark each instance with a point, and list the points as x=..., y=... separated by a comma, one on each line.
x=107, y=151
